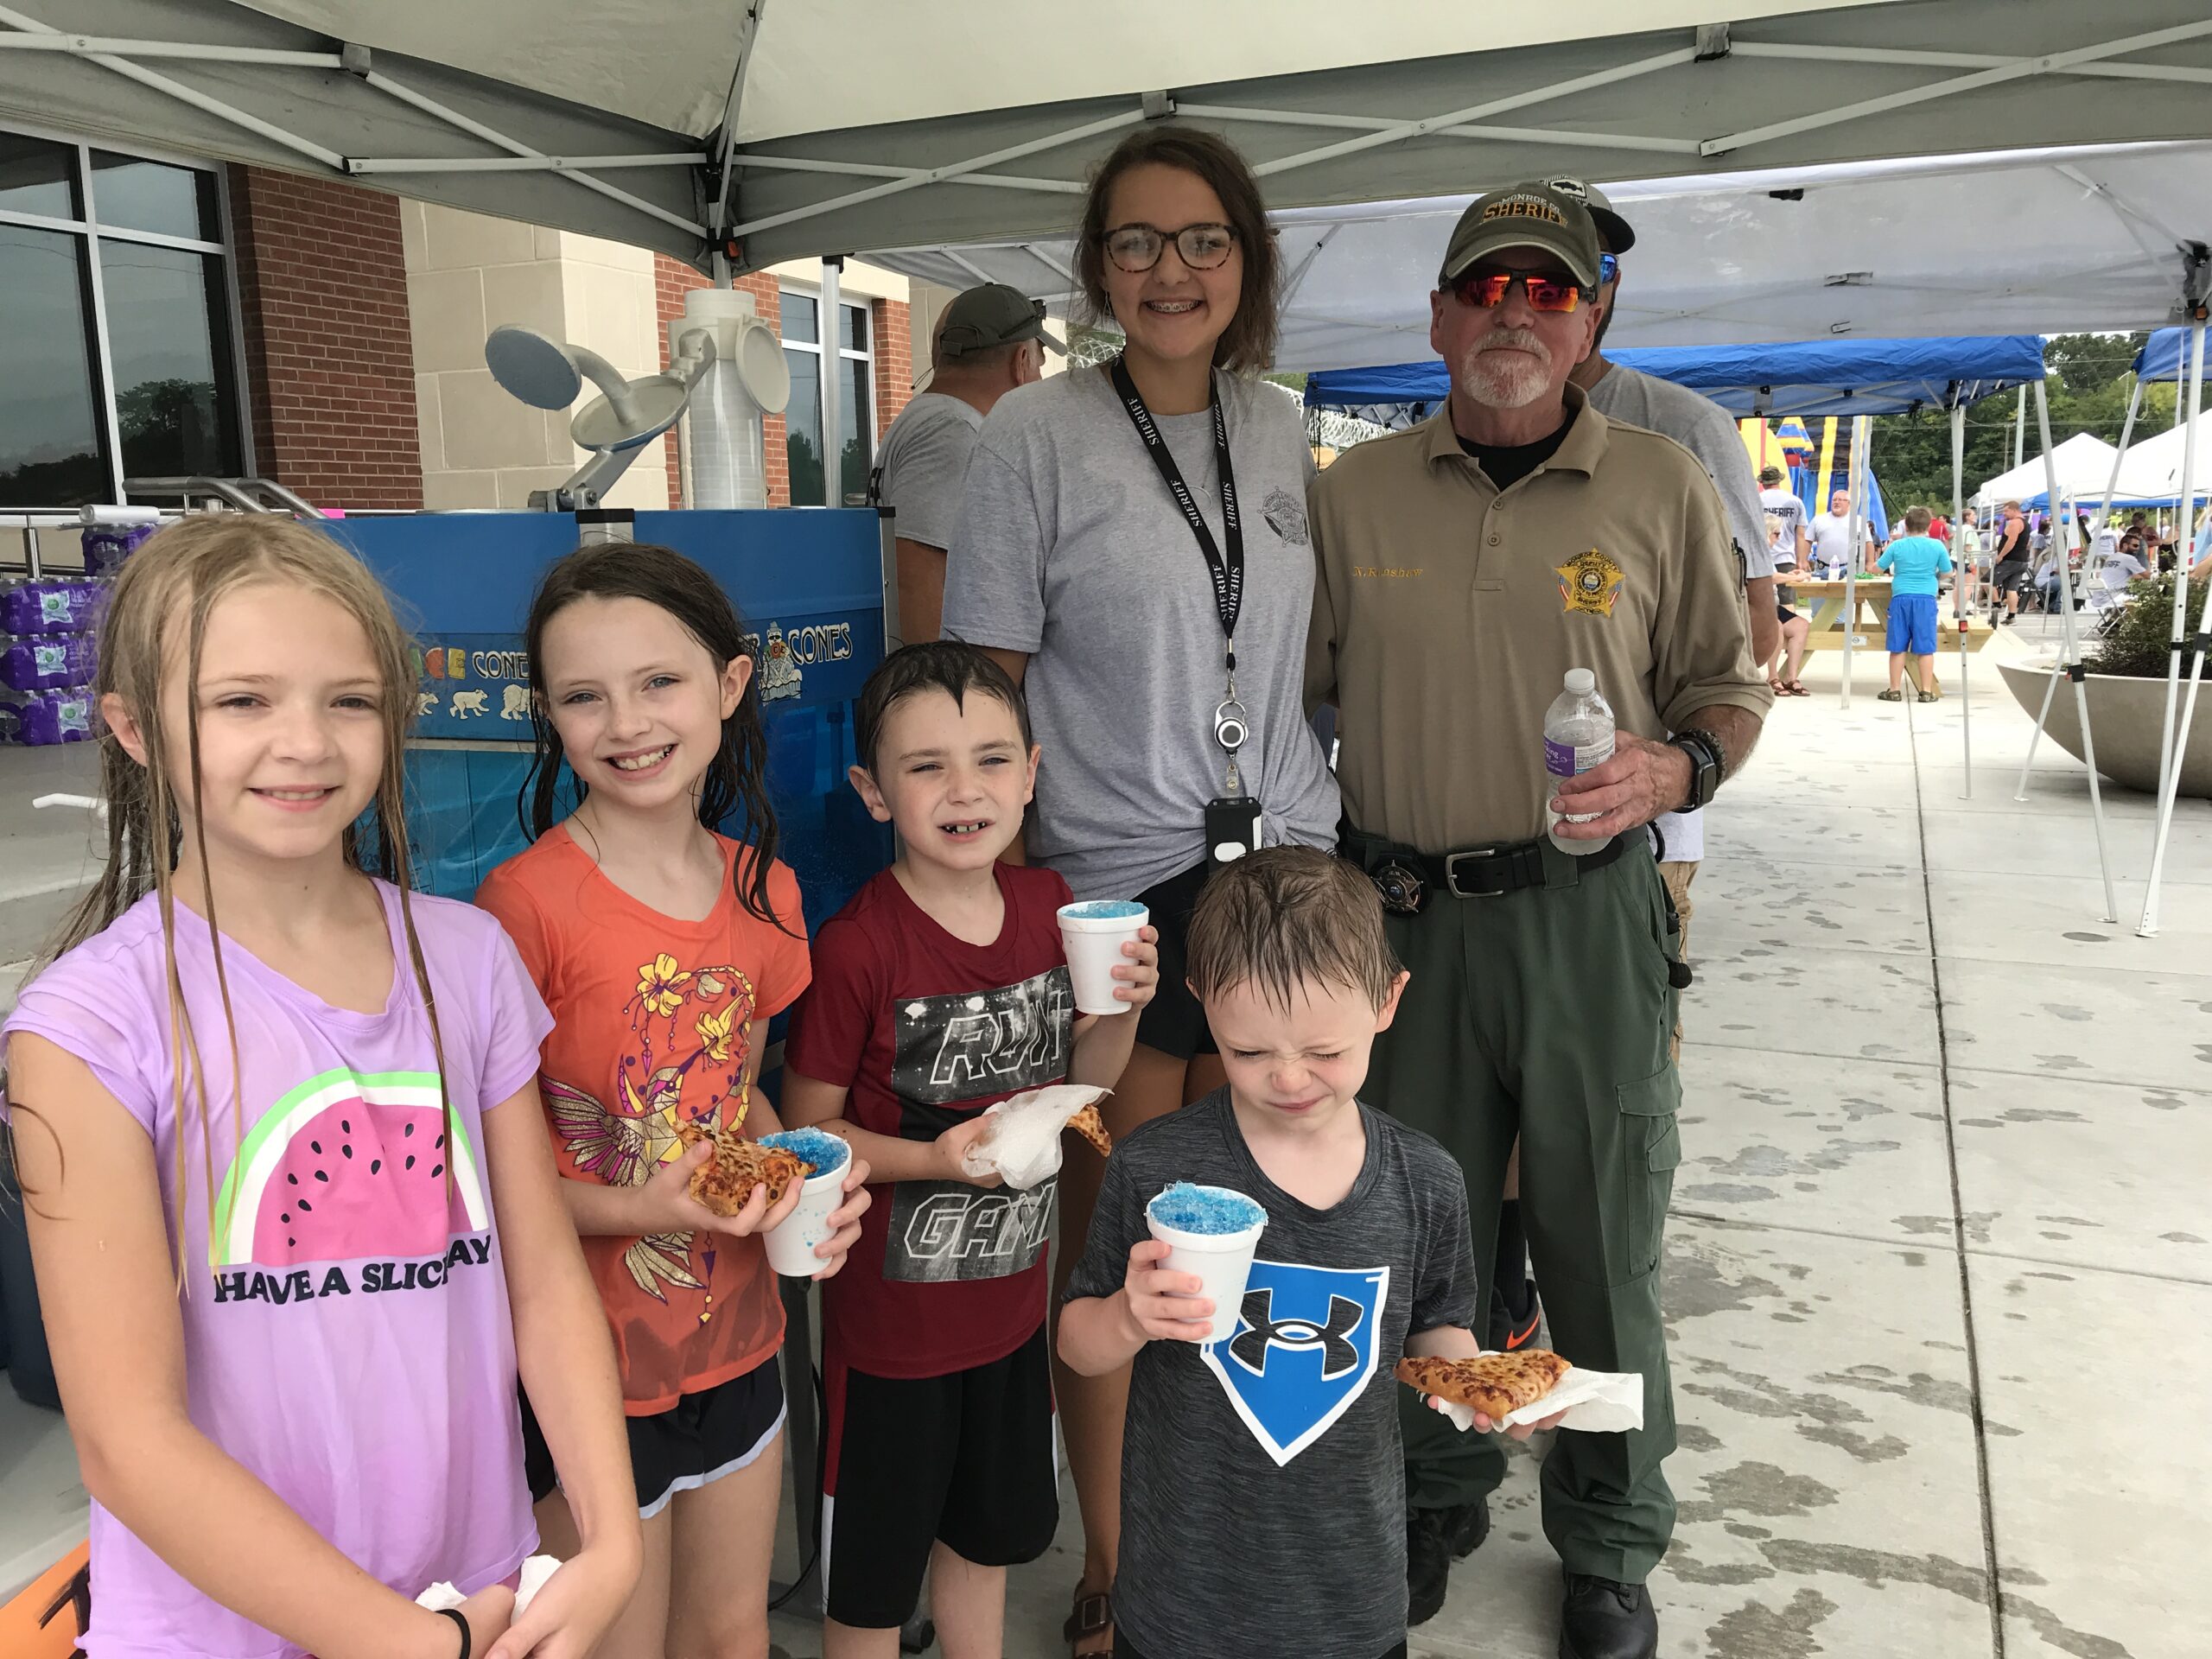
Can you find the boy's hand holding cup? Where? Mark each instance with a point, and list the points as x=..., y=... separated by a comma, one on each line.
x=1113, y=957
x=1166, y=1306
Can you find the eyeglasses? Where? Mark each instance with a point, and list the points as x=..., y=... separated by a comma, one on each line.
x=1136, y=248
x=1609, y=268
x=1547, y=291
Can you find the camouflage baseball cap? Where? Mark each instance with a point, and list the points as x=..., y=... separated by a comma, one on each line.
x=1524, y=216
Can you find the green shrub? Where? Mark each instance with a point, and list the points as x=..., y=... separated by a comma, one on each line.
x=2141, y=641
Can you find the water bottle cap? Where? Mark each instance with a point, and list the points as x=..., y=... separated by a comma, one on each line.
x=1581, y=682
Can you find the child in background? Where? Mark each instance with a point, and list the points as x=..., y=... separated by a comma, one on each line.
x=663, y=949
x=326, y=1084
x=1262, y=1477
x=939, y=990
x=1914, y=561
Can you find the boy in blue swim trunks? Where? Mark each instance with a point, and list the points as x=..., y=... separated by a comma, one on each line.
x=1914, y=561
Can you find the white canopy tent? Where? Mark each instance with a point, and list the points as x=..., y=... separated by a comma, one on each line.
x=975, y=120
x=2151, y=469
x=1864, y=250
x=2082, y=464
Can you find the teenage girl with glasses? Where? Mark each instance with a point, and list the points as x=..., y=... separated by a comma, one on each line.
x=1078, y=569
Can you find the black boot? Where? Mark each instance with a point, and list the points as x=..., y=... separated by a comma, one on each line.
x=1603, y=1619
x=1429, y=1563
x=1470, y=1526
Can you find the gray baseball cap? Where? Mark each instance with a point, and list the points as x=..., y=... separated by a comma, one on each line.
x=992, y=315
x=1613, y=231
x=1524, y=216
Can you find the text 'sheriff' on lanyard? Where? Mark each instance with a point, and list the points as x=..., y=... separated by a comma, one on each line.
x=1226, y=572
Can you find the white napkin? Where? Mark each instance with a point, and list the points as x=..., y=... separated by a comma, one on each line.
x=534, y=1572
x=1596, y=1402
x=1022, y=1145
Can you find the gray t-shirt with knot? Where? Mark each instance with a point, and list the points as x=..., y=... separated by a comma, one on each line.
x=1071, y=548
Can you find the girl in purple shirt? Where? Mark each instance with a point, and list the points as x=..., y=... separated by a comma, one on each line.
x=291, y=1202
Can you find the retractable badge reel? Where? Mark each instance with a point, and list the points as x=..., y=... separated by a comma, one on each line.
x=1232, y=825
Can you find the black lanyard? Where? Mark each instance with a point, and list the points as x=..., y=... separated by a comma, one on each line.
x=1228, y=573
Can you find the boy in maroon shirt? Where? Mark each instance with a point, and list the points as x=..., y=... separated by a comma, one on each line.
x=939, y=989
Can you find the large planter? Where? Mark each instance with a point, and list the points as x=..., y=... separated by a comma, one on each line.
x=2128, y=715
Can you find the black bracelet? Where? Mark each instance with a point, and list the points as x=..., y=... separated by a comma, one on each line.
x=1720, y=755
x=468, y=1642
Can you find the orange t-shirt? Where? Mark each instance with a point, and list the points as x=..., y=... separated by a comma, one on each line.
x=650, y=1016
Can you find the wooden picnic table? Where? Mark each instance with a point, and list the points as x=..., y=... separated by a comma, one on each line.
x=1823, y=602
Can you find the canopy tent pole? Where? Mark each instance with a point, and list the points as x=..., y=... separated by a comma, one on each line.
x=2020, y=429
x=1962, y=578
x=1852, y=522
x=829, y=329
x=2061, y=536
x=2126, y=431
x=2171, y=743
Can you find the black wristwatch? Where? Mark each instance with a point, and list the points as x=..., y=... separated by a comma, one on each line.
x=1705, y=766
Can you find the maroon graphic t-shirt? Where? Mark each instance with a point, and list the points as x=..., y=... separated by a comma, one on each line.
x=925, y=1031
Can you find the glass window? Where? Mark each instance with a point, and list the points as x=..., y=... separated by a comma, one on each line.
x=854, y=333
x=799, y=316
x=131, y=194
x=802, y=426
x=37, y=177
x=168, y=351
x=50, y=451
x=855, y=424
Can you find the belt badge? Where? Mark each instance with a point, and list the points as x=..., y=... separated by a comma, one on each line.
x=1590, y=582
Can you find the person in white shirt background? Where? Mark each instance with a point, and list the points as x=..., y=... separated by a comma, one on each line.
x=1832, y=551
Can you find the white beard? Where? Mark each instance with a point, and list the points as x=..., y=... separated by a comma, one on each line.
x=1499, y=376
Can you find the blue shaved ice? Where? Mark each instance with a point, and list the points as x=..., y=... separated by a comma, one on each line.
x=817, y=1146
x=1191, y=1209
x=1103, y=910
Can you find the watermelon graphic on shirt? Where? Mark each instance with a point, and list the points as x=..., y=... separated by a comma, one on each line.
x=346, y=1166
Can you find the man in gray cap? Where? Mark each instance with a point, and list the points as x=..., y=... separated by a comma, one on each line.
x=1464, y=568
x=990, y=340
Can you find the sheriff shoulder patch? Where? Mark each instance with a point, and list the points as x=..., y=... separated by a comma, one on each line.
x=1591, y=582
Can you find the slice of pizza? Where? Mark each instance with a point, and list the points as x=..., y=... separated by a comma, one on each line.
x=725, y=1180
x=1494, y=1384
x=1092, y=1127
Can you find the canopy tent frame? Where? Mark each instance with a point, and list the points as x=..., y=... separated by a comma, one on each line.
x=266, y=82
x=2069, y=663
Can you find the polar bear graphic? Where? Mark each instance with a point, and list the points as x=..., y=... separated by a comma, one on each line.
x=424, y=702
x=514, y=703
x=466, y=703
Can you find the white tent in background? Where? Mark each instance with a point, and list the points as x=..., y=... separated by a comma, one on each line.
x=2151, y=469
x=2083, y=462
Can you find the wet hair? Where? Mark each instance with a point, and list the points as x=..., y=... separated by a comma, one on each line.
x=1917, y=519
x=1248, y=343
x=735, y=781
x=156, y=626
x=945, y=665
x=1285, y=917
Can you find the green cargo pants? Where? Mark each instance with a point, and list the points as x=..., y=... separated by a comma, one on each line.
x=1547, y=1012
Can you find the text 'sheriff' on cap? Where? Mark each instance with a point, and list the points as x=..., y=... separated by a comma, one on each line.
x=1525, y=216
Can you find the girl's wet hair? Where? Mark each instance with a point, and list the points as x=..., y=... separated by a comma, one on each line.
x=1248, y=343
x=156, y=625
x=736, y=779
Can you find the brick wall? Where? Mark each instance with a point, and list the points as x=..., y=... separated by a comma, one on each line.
x=894, y=361
x=322, y=289
x=672, y=278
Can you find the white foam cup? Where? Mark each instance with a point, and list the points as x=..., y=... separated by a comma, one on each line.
x=1094, y=944
x=791, y=1241
x=1222, y=1261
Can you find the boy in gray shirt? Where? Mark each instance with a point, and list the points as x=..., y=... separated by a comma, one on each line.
x=1262, y=1478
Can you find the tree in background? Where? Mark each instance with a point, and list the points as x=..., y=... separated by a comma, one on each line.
x=2088, y=387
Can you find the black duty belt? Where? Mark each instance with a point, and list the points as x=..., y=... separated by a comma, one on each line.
x=1407, y=877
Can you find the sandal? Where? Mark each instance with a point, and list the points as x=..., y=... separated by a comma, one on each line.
x=1795, y=689
x=1093, y=1615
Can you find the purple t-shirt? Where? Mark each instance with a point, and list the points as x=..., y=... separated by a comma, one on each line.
x=346, y=1332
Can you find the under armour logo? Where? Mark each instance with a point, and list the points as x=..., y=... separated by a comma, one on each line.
x=1249, y=1348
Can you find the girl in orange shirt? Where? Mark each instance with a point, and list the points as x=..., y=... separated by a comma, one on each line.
x=662, y=947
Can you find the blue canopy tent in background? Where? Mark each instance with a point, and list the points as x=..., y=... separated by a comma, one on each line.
x=1809, y=378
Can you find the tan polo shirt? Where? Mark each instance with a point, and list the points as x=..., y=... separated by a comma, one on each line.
x=1446, y=613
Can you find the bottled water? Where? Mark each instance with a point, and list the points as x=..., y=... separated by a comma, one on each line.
x=1578, y=735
